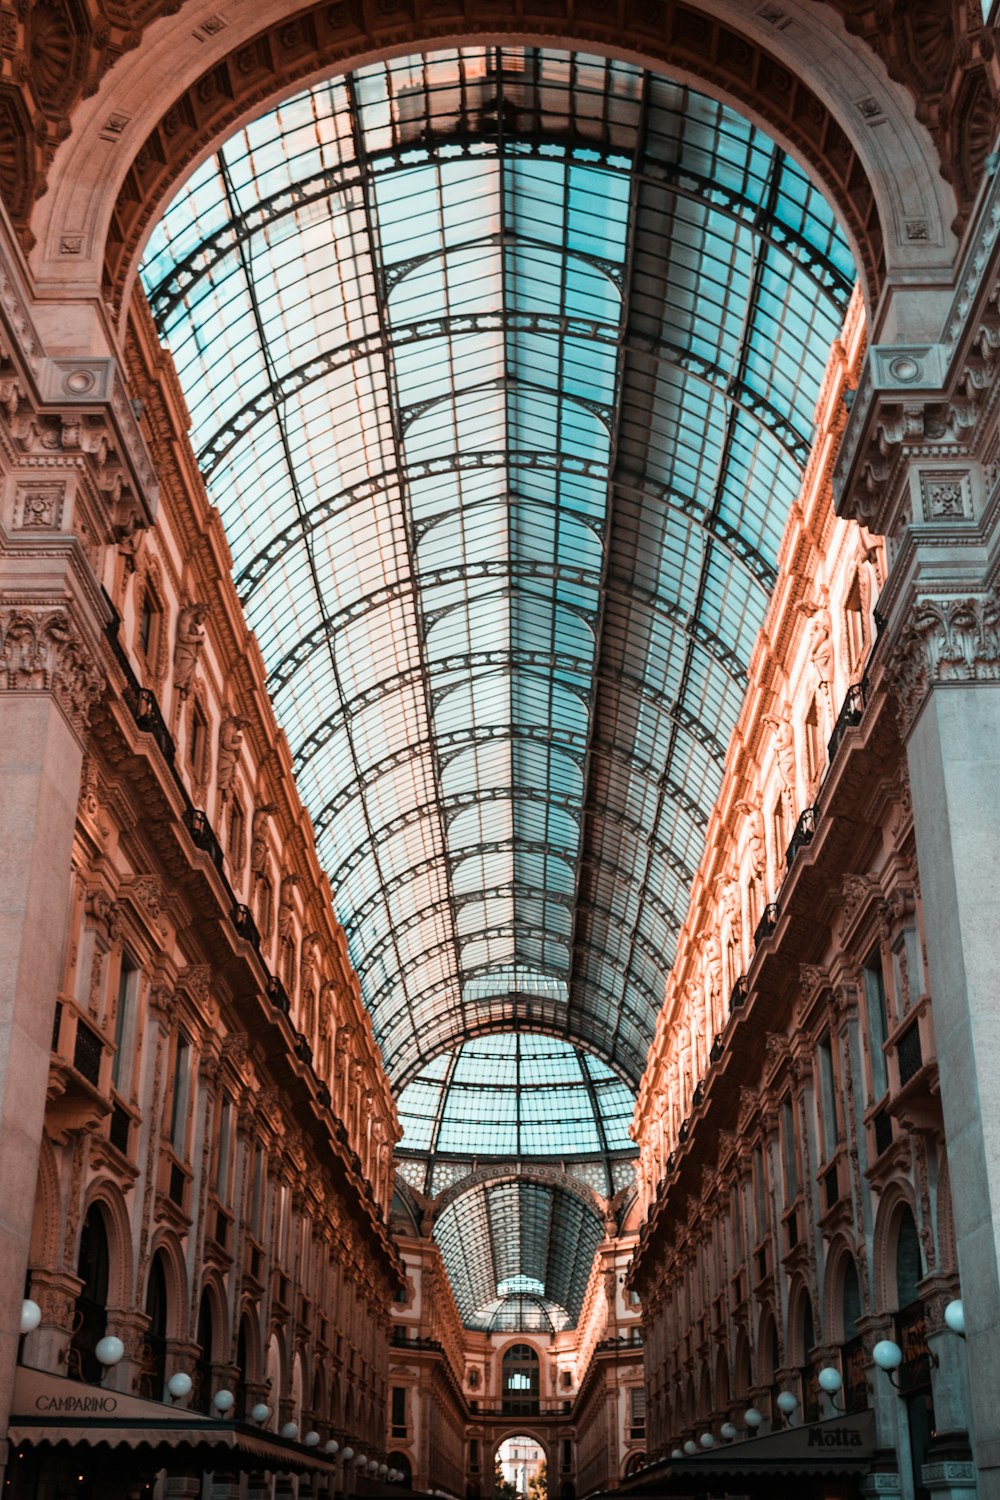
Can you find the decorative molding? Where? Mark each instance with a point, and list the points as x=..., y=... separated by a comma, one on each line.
x=944, y=640
x=945, y=494
x=41, y=650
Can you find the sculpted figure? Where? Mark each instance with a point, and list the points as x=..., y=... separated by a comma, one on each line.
x=784, y=748
x=258, y=838
x=230, y=744
x=187, y=647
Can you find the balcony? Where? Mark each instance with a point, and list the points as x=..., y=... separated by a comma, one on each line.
x=805, y=830
x=278, y=995
x=203, y=836
x=245, y=926
x=767, y=924
x=850, y=716
x=738, y=997
x=717, y=1048
x=148, y=718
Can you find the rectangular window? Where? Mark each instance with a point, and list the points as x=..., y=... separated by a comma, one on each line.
x=737, y=1226
x=182, y=1088
x=788, y=1149
x=814, y=741
x=224, y=1159
x=828, y=1117
x=128, y=979
x=878, y=1022
x=257, y=1192
x=760, y=1193
x=399, y=1411
x=197, y=741
x=637, y=1409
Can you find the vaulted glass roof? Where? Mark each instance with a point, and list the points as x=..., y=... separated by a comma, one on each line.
x=514, y=1095
x=518, y=1254
x=501, y=365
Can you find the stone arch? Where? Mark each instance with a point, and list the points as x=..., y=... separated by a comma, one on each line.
x=336, y=1414
x=768, y=1346
x=213, y=1289
x=249, y=1322
x=110, y=1199
x=522, y=1429
x=704, y=1391
x=274, y=1377
x=886, y=183
x=841, y=1275
x=721, y=1386
x=742, y=1367
x=800, y=1322
x=896, y=1202
x=44, y=1249
x=947, y=1250
x=166, y=1245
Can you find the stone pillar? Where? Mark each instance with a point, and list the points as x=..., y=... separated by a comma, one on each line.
x=48, y=680
x=953, y=750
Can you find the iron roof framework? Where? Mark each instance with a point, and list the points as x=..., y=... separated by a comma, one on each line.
x=518, y=1254
x=502, y=365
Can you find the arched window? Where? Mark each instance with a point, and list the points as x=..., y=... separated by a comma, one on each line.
x=242, y=1355
x=521, y=1381
x=851, y=1300
x=807, y=1338
x=91, y=1320
x=909, y=1262
x=154, y=1345
x=855, y=1378
x=202, y=1395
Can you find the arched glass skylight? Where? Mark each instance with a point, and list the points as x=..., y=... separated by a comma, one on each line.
x=514, y=1095
x=502, y=366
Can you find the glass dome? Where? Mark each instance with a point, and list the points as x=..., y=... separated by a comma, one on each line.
x=517, y=1094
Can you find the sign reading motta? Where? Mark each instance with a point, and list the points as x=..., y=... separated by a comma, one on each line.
x=841, y=1437
x=851, y=1435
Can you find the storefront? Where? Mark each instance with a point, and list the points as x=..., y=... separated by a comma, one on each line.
x=817, y=1461
x=71, y=1441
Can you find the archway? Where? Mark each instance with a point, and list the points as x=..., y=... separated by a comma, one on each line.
x=154, y=1356
x=91, y=1316
x=520, y=1468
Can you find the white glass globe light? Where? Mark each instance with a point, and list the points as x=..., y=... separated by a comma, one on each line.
x=311, y=1439
x=179, y=1385
x=260, y=1412
x=690, y=1447
x=360, y=1459
x=223, y=1401
x=954, y=1316
x=331, y=1447
x=31, y=1315
x=707, y=1440
x=110, y=1350
x=887, y=1355
x=347, y=1455
x=290, y=1430
x=787, y=1402
x=383, y=1470
x=753, y=1418
x=830, y=1380
x=677, y=1453
x=728, y=1431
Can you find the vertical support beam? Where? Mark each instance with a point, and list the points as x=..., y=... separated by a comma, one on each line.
x=48, y=678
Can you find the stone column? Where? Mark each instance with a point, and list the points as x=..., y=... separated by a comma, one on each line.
x=48, y=680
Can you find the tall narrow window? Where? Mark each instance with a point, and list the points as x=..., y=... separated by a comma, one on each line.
x=827, y=1101
x=815, y=756
x=760, y=1193
x=128, y=978
x=878, y=1022
x=224, y=1158
x=182, y=1088
x=788, y=1149
x=257, y=1191
x=854, y=619
x=399, y=1411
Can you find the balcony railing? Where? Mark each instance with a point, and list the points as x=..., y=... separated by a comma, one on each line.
x=87, y=1053
x=909, y=1054
x=245, y=925
x=805, y=830
x=851, y=713
x=147, y=715
x=278, y=995
x=738, y=998
x=203, y=836
x=768, y=922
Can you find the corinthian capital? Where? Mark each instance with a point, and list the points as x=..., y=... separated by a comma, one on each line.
x=946, y=638
x=41, y=650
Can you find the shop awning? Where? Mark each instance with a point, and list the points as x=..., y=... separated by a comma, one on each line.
x=839, y=1446
x=52, y=1412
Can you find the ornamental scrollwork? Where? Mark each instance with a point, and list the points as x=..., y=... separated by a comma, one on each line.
x=944, y=640
x=42, y=651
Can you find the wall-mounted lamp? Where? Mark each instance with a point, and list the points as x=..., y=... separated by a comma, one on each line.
x=260, y=1413
x=332, y=1447
x=728, y=1431
x=109, y=1351
x=787, y=1404
x=179, y=1385
x=831, y=1381
x=954, y=1317
x=707, y=1440
x=677, y=1453
x=31, y=1315
x=223, y=1401
x=888, y=1356
x=690, y=1447
x=754, y=1419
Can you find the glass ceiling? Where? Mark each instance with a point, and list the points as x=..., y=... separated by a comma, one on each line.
x=518, y=1254
x=517, y=1095
x=501, y=365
